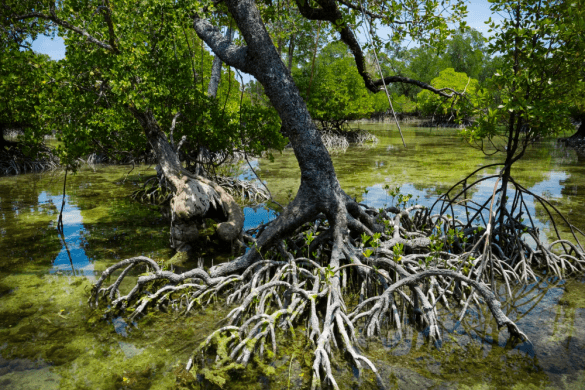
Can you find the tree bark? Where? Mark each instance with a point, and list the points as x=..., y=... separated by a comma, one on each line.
x=194, y=196
x=291, y=52
x=216, y=69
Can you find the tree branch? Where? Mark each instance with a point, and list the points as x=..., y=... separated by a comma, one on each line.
x=373, y=15
x=312, y=13
x=221, y=45
x=108, y=18
x=53, y=18
x=330, y=12
x=406, y=80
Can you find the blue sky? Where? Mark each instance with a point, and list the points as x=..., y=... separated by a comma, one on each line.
x=479, y=12
x=55, y=48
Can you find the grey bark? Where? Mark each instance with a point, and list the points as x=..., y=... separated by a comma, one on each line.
x=216, y=68
x=319, y=190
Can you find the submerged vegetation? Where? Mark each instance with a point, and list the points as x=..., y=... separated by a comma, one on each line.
x=471, y=354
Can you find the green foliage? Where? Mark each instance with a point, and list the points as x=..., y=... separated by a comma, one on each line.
x=398, y=250
x=576, y=101
x=542, y=49
x=365, y=239
x=465, y=52
x=425, y=63
x=401, y=103
x=23, y=92
x=337, y=92
x=432, y=104
x=158, y=65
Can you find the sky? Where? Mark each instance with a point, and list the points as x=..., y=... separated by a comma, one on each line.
x=478, y=13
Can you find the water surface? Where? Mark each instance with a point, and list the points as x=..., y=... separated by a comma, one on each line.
x=50, y=339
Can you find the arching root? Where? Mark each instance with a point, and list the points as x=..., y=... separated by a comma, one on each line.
x=14, y=162
x=410, y=260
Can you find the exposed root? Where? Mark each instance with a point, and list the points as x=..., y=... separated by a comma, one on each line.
x=338, y=139
x=118, y=157
x=507, y=231
x=393, y=267
x=245, y=191
x=153, y=192
x=334, y=142
x=14, y=162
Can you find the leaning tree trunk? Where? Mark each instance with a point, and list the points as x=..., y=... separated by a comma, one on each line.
x=319, y=190
x=194, y=196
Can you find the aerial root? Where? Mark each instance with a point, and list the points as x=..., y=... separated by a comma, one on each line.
x=414, y=268
x=14, y=162
x=337, y=139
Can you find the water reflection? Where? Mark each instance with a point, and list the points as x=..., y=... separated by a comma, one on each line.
x=72, y=258
x=432, y=163
x=257, y=215
x=44, y=318
x=475, y=350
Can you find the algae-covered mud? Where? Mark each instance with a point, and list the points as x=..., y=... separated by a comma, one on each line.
x=50, y=339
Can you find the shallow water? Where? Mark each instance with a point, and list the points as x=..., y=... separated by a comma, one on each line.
x=50, y=339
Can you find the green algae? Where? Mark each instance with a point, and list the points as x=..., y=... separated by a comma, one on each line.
x=179, y=259
x=44, y=317
x=574, y=295
x=83, y=348
x=433, y=161
x=47, y=327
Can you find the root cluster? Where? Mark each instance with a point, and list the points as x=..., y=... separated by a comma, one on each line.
x=14, y=162
x=338, y=139
x=344, y=287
